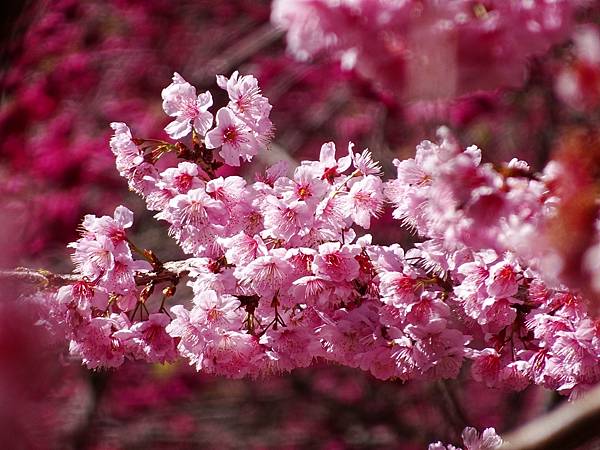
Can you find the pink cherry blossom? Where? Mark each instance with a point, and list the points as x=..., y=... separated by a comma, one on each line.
x=266, y=274
x=364, y=163
x=191, y=111
x=234, y=137
x=214, y=310
x=488, y=440
x=97, y=344
x=336, y=262
x=149, y=340
x=180, y=179
x=365, y=200
x=503, y=280
x=248, y=103
x=328, y=166
x=194, y=208
x=128, y=155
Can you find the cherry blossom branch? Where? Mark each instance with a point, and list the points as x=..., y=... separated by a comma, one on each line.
x=280, y=278
x=568, y=426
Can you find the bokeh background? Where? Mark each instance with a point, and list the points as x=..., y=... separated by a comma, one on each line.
x=70, y=67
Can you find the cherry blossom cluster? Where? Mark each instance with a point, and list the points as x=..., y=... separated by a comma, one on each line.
x=93, y=311
x=283, y=272
x=111, y=56
x=407, y=45
x=448, y=195
x=243, y=126
x=481, y=223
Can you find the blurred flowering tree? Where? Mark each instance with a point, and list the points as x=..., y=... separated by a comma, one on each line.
x=281, y=270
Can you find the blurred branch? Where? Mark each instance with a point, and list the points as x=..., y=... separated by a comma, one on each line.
x=42, y=278
x=237, y=53
x=450, y=406
x=84, y=436
x=564, y=428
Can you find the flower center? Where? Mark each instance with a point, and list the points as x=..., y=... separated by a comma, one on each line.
x=303, y=192
x=230, y=134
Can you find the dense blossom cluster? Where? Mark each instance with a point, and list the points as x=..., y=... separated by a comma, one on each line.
x=283, y=273
x=407, y=45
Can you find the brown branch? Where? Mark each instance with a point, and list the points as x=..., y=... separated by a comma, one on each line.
x=169, y=272
x=565, y=428
x=41, y=278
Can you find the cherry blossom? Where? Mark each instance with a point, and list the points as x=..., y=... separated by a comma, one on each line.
x=234, y=137
x=191, y=111
x=487, y=440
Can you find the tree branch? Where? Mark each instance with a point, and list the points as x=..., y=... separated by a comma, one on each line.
x=41, y=278
x=170, y=271
x=564, y=428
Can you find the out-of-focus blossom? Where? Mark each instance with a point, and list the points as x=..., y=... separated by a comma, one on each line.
x=578, y=82
x=426, y=49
